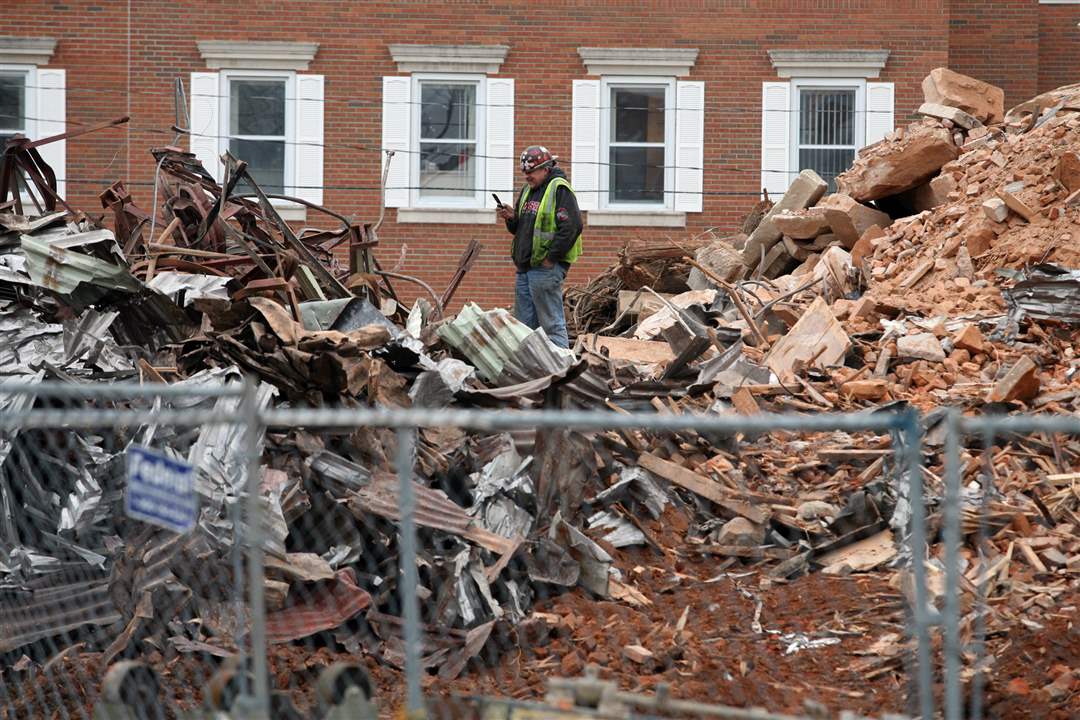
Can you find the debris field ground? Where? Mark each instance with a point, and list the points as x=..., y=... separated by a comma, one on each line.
x=752, y=570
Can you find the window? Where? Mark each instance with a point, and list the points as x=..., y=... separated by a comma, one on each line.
x=638, y=144
x=822, y=114
x=262, y=107
x=13, y=107
x=638, y=137
x=827, y=128
x=259, y=128
x=447, y=167
x=450, y=126
x=32, y=100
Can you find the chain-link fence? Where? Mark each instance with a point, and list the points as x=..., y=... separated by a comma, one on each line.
x=122, y=518
x=459, y=563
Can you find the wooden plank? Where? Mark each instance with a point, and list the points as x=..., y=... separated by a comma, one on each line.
x=639, y=351
x=700, y=485
x=851, y=455
x=916, y=275
x=1030, y=556
x=860, y=556
x=744, y=402
x=742, y=551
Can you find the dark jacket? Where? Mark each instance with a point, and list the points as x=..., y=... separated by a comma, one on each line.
x=568, y=224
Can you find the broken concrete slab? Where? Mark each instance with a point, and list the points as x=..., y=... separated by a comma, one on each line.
x=806, y=190
x=722, y=259
x=798, y=250
x=979, y=236
x=940, y=188
x=891, y=167
x=1067, y=171
x=874, y=389
x=995, y=209
x=946, y=112
x=817, y=339
x=864, y=247
x=741, y=532
x=971, y=339
x=982, y=100
x=640, y=304
x=922, y=346
x=1018, y=206
x=1020, y=383
x=804, y=224
x=849, y=219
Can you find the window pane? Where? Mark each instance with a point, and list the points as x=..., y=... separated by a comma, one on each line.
x=826, y=117
x=826, y=162
x=638, y=115
x=266, y=162
x=637, y=174
x=257, y=107
x=447, y=170
x=12, y=102
x=447, y=112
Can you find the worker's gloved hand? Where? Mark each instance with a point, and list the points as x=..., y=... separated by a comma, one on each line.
x=505, y=212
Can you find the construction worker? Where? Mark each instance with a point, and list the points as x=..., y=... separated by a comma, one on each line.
x=546, y=226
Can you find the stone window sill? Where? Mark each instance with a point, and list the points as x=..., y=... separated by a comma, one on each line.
x=635, y=218
x=445, y=216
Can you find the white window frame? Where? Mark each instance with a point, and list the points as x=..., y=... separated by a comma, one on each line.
x=226, y=76
x=477, y=201
x=29, y=128
x=859, y=85
x=613, y=82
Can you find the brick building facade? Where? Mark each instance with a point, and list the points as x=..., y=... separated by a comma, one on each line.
x=669, y=116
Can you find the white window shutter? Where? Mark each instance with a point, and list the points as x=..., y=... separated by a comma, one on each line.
x=775, y=137
x=205, y=121
x=500, y=141
x=585, y=146
x=51, y=111
x=309, y=138
x=879, y=111
x=396, y=121
x=689, y=145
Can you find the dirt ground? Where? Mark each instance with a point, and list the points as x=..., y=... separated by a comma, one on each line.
x=718, y=656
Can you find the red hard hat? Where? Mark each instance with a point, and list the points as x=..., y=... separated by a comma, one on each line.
x=535, y=157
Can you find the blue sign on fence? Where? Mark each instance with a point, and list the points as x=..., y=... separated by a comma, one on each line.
x=160, y=490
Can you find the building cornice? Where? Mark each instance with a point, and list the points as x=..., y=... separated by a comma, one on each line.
x=227, y=54
x=828, y=63
x=449, y=58
x=666, y=62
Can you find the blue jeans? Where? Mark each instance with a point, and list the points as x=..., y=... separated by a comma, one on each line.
x=538, y=301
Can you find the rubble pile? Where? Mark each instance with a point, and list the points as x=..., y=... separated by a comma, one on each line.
x=741, y=561
x=940, y=275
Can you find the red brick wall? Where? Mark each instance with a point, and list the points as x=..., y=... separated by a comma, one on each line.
x=997, y=42
x=732, y=37
x=1059, y=46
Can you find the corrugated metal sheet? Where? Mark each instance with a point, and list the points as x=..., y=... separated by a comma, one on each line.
x=54, y=264
x=53, y=605
x=324, y=607
x=433, y=510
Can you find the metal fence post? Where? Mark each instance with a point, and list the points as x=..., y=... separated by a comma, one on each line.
x=917, y=542
x=410, y=605
x=978, y=684
x=253, y=530
x=951, y=538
